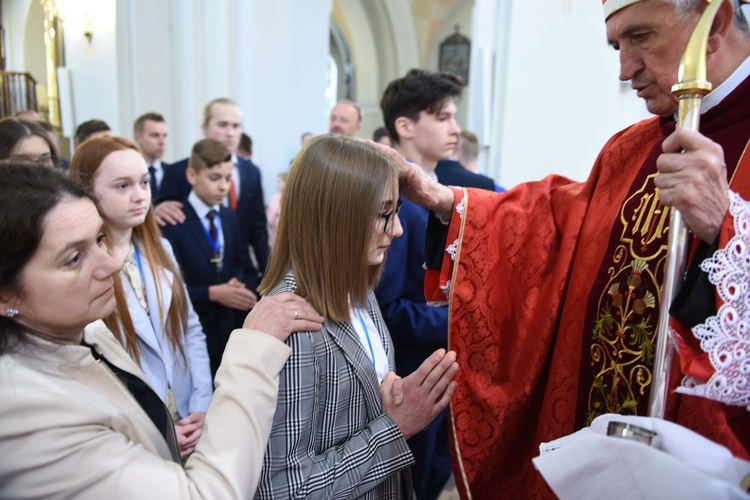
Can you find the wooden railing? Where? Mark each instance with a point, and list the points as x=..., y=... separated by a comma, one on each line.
x=17, y=92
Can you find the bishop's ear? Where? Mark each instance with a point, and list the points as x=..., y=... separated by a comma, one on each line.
x=721, y=27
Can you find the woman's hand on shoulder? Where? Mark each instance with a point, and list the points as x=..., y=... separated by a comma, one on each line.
x=283, y=314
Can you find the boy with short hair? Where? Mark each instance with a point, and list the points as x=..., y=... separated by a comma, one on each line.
x=419, y=112
x=213, y=259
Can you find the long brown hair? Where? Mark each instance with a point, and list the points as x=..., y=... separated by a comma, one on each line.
x=328, y=212
x=86, y=161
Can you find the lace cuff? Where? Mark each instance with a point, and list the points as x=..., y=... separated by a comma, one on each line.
x=725, y=337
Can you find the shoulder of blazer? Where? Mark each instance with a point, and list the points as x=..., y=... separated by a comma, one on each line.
x=248, y=164
x=249, y=172
x=188, y=209
x=176, y=169
x=228, y=217
x=288, y=284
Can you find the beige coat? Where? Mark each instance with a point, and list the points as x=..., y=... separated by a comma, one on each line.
x=70, y=429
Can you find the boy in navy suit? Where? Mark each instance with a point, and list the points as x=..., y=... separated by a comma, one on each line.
x=222, y=120
x=212, y=256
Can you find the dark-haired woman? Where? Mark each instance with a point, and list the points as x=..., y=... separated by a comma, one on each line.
x=22, y=139
x=77, y=419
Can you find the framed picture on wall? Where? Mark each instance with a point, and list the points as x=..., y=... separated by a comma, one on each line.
x=455, y=55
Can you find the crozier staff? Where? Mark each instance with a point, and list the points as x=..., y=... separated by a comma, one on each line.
x=555, y=287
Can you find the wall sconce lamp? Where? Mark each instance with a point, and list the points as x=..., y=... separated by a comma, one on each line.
x=88, y=29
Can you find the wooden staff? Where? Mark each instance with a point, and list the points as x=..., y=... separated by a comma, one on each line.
x=690, y=90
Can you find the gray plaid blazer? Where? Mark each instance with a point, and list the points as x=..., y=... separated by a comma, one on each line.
x=330, y=436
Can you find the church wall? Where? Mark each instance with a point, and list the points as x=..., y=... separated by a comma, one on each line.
x=15, y=13
x=543, y=95
x=560, y=98
x=175, y=56
x=93, y=68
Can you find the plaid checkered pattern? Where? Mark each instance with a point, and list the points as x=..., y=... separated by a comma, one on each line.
x=330, y=437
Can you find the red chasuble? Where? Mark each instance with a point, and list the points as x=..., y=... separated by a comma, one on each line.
x=554, y=291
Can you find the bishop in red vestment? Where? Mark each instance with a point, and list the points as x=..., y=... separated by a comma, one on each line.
x=554, y=286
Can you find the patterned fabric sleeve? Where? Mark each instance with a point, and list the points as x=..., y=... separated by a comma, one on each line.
x=440, y=250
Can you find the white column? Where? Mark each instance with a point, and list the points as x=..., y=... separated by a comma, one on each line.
x=280, y=77
x=487, y=79
x=556, y=98
x=270, y=57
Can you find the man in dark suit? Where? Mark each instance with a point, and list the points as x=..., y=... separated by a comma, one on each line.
x=150, y=134
x=463, y=171
x=452, y=173
x=222, y=121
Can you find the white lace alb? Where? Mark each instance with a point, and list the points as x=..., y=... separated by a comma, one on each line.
x=725, y=337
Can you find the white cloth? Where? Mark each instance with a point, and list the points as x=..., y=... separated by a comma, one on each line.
x=719, y=93
x=589, y=464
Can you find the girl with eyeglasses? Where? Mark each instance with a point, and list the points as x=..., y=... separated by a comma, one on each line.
x=343, y=417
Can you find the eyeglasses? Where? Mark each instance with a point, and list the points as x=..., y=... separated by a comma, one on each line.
x=388, y=216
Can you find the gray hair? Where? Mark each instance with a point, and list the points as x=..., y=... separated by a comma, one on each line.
x=740, y=21
x=360, y=115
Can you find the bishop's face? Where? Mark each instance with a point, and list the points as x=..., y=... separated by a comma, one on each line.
x=651, y=37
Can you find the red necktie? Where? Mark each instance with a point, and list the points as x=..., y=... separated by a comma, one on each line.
x=232, y=197
x=212, y=226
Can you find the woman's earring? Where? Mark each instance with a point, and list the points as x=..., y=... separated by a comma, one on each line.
x=11, y=311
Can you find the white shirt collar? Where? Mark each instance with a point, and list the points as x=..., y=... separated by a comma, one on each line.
x=432, y=175
x=200, y=207
x=719, y=93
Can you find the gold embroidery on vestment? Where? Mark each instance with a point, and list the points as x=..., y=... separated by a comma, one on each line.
x=622, y=348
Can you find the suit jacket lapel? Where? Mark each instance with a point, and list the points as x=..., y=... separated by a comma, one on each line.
x=166, y=278
x=346, y=338
x=198, y=230
x=157, y=320
x=227, y=264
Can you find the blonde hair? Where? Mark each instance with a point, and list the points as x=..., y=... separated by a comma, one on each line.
x=208, y=109
x=328, y=215
x=86, y=161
